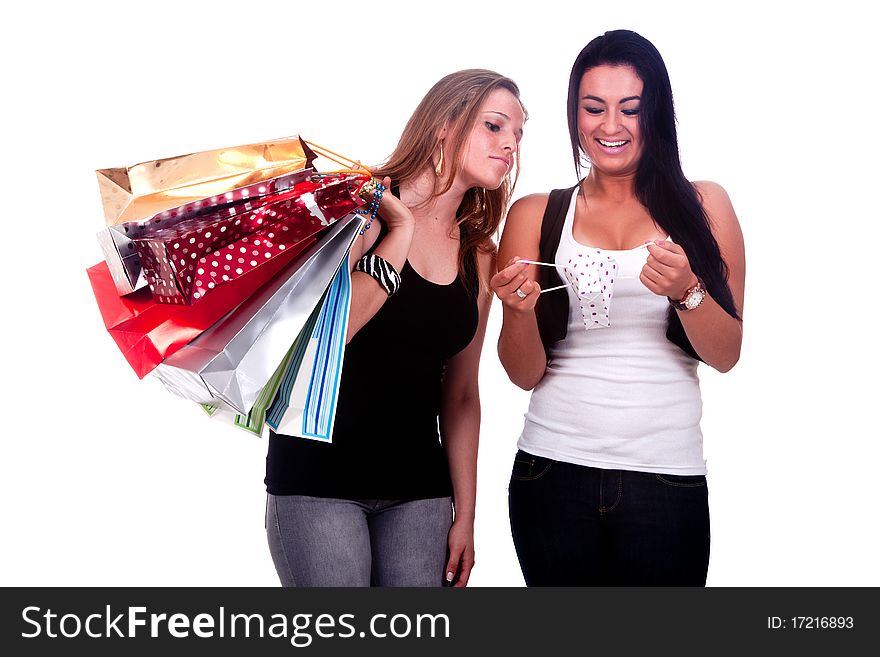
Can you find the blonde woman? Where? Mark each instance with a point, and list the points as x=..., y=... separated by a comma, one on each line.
x=390, y=502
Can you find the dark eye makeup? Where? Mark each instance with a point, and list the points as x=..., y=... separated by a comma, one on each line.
x=598, y=110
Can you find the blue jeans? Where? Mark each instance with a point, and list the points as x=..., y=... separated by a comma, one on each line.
x=574, y=525
x=317, y=541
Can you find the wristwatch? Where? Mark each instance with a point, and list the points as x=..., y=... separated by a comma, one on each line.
x=692, y=298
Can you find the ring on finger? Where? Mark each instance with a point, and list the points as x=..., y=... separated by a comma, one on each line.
x=520, y=294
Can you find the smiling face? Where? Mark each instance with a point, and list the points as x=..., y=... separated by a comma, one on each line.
x=491, y=146
x=608, y=118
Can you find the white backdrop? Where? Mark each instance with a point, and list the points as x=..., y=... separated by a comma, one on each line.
x=110, y=481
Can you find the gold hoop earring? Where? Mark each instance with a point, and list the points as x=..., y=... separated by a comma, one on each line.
x=438, y=169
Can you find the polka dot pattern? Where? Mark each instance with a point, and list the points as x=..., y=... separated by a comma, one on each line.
x=254, y=194
x=248, y=197
x=184, y=262
x=591, y=274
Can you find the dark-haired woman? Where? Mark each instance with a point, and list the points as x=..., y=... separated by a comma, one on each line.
x=642, y=278
x=376, y=505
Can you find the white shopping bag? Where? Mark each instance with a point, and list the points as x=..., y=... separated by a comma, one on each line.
x=305, y=404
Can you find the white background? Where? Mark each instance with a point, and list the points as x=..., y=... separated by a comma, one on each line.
x=106, y=480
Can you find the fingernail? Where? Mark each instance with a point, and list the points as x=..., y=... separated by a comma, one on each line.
x=449, y=576
x=660, y=242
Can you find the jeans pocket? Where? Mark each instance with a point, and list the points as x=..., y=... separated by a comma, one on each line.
x=682, y=481
x=528, y=467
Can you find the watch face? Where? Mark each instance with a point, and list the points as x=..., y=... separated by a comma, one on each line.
x=694, y=299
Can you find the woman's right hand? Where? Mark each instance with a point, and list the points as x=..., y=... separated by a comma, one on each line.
x=517, y=292
x=393, y=213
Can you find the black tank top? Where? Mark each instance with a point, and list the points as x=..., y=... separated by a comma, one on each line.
x=385, y=439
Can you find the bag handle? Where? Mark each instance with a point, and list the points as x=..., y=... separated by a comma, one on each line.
x=350, y=165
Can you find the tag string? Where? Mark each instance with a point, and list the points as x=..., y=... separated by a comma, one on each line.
x=545, y=264
x=535, y=262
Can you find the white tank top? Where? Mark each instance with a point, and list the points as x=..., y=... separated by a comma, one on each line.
x=616, y=394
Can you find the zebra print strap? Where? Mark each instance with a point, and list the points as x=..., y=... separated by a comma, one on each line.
x=381, y=270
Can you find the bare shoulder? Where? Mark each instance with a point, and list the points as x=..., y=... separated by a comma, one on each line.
x=522, y=229
x=528, y=208
x=713, y=197
x=722, y=220
x=718, y=206
x=525, y=215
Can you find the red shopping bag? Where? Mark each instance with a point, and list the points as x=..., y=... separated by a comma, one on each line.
x=147, y=332
x=186, y=262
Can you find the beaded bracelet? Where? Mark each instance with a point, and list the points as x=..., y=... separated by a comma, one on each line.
x=381, y=270
x=373, y=208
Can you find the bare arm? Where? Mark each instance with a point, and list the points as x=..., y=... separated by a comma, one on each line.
x=715, y=335
x=367, y=296
x=519, y=344
x=460, y=432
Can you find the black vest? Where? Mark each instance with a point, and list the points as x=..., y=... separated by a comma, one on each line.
x=552, y=308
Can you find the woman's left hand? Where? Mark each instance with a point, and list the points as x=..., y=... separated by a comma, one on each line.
x=461, y=553
x=667, y=271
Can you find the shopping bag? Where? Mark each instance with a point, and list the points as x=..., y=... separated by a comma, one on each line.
x=234, y=360
x=255, y=421
x=147, y=332
x=119, y=249
x=145, y=189
x=305, y=404
x=186, y=262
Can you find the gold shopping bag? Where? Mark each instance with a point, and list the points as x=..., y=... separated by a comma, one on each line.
x=146, y=189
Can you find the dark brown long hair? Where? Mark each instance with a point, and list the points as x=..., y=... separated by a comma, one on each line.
x=455, y=102
x=660, y=185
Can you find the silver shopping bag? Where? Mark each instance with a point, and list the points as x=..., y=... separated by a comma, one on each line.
x=233, y=360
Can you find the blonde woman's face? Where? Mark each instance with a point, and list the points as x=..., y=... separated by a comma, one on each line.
x=609, y=100
x=492, y=144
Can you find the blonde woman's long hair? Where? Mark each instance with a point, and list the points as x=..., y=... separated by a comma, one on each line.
x=455, y=102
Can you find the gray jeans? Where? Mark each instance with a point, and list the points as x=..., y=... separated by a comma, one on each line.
x=318, y=541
